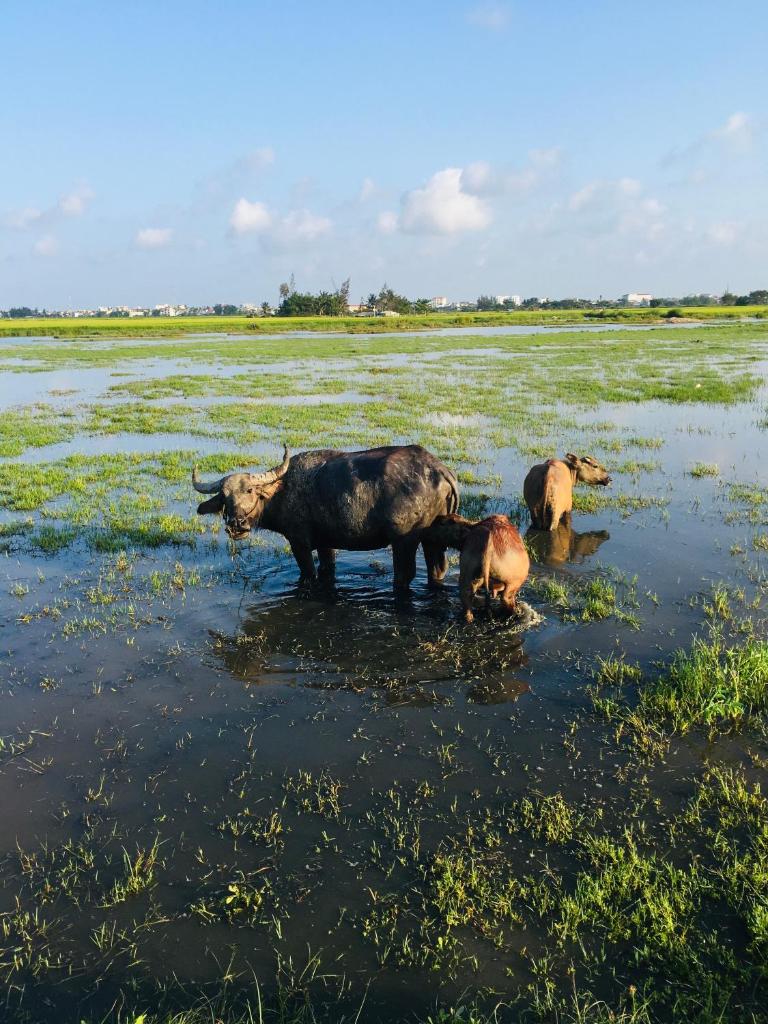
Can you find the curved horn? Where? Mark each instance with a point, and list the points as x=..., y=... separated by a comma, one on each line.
x=211, y=488
x=273, y=474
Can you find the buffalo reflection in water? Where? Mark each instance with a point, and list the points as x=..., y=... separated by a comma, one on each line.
x=563, y=544
x=336, y=637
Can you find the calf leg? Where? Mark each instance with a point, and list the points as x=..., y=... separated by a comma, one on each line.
x=467, y=589
x=437, y=562
x=404, y=562
x=509, y=599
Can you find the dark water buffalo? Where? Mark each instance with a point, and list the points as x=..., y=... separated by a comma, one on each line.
x=356, y=501
x=548, y=488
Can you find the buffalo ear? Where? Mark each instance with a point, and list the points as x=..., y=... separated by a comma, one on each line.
x=213, y=505
x=572, y=460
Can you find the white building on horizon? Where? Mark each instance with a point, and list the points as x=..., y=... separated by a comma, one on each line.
x=636, y=299
x=439, y=302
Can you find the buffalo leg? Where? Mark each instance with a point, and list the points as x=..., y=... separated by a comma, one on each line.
x=467, y=590
x=437, y=562
x=404, y=562
x=302, y=552
x=509, y=600
x=327, y=558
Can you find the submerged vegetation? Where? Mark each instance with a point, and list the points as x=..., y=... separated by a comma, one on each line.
x=232, y=798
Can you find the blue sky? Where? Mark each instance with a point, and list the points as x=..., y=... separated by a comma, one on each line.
x=204, y=151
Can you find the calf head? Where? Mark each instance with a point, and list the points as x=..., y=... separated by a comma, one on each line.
x=448, y=531
x=240, y=497
x=587, y=469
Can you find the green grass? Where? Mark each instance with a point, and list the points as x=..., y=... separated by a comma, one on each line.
x=712, y=685
x=700, y=469
x=149, y=326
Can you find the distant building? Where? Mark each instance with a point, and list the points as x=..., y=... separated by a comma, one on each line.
x=636, y=299
x=356, y=308
x=439, y=302
x=387, y=312
x=516, y=300
x=166, y=310
x=501, y=299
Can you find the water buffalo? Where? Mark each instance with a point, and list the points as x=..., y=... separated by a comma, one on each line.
x=492, y=556
x=548, y=488
x=356, y=501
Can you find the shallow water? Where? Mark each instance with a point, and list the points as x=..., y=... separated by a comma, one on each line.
x=198, y=704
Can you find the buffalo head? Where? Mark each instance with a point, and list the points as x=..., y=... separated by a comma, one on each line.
x=588, y=470
x=240, y=497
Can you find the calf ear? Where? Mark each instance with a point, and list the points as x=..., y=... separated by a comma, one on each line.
x=572, y=460
x=214, y=504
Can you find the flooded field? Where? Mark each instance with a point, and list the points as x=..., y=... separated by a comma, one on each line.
x=225, y=789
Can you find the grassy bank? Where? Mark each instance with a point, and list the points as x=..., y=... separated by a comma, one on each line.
x=176, y=326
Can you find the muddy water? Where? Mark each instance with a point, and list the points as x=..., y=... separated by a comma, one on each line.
x=201, y=706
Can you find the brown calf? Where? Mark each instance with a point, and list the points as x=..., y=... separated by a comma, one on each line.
x=548, y=488
x=492, y=556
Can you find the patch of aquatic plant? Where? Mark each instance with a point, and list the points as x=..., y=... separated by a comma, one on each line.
x=712, y=685
x=715, y=685
x=700, y=469
x=32, y=428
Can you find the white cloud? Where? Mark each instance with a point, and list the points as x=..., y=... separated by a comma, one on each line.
x=725, y=233
x=387, y=222
x=367, y=189
x=75, y=202
x=482, y=179
x=261, y=157
x=493, y=16
x=442, y=207
x=24, y=217
x=584, y=196
x=477, y=177
x=739, y=128
x=301, y=225
x=614, y=206
x=247, y=217
x=629, y=186
x=153, y=238
x=735, y=136
x=46, y=246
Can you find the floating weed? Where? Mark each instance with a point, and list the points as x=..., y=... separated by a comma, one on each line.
x=549, y=818
x=552, y=591
x=244, y=901
x=139, y=874
x=599, y=600
x=700, y=469
x=719, y=606
x=320, y=795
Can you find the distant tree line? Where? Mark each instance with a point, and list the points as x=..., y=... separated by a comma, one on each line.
x=336, y=303
x=756, y=298
x=19, y=312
